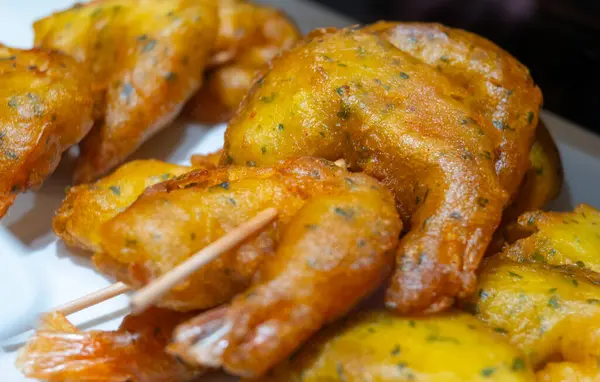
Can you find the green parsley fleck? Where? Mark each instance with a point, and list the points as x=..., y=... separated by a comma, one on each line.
x=518, y=364
x=149, y=46
x=530, y=116
x=516, y=275
x=280, y=127
x=115, y=190
x=12, y=102
x=553, y=302
x=575, y=283
x=268, y=99
x=488, y=371
x=483, y=202
x=344, y=112
x=347, y=214
x=580, y=264
x=404, y=76
x=500, y=330
x=395, y=350
x=593, y=301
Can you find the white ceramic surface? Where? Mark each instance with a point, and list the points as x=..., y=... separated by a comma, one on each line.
x=38, y=272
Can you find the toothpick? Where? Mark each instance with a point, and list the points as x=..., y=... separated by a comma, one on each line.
x=153, y=291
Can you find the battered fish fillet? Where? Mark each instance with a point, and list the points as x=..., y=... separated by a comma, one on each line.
x=134, y=352
x=444, y=118
x=383, y=347
x=320, y=206
x=88, y=206
x=249, y=36
x=45, y=108
x=551, y=313
x=148, y=57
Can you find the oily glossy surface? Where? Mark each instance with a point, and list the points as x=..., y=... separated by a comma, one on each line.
x=315, y=199
x=569, y=239
x=544, y=179
x=334, y=245
x=249, y=36
x=146, y=58
x=87, y=206
x=383, y=347
x=551, y=314
x=45, y=107
x=135, y=352
x=444, y=118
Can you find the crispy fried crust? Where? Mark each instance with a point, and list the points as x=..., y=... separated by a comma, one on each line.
x=443, y=117
x=45, y=107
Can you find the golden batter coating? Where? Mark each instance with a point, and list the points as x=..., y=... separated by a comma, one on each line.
x=315, y=199
x=382, y=347
x=552, y=314
x=135, y=352
x=543, y=180
x=446, y=123
x=568, y=239
x=146, y=58
x=249, y=37
x=45, y=108
x=88, y=206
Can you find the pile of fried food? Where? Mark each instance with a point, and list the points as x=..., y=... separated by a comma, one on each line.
x=447, y=166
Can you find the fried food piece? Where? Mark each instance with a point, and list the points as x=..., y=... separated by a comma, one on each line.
x=249, y=37
x=207, y=160
x=444, y=118
x=88, y=206
x=173, y=220
x=551, y=314
x=570, y=239
x=543, y=181
x=45, y=107
x=380, y=346
x=134, y=352
x=146, y=58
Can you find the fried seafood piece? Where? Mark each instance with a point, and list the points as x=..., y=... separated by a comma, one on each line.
x=249, y=37
x=380, y=346
x=146, y=58
x=332, y=224
x=446, y=123
x=570, y=239
x=544, y=179
x=88, y=206
x=135, y=352
x=553, y=315
x=46, y=107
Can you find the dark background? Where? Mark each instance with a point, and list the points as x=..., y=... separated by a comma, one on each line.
x=559, y=40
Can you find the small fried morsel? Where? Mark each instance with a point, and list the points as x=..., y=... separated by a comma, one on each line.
x=382, y=347
x=87, y=206
x=543, y=181
x=249, y=37
x=443, y=117
x=46, y=107
x=318, y=204
x=146, y=58
x=135, y=352
x=569, y=239
x=551, y=314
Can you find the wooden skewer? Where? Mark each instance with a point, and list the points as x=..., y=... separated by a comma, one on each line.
x=92, y=298
x=153, y=291
x=81, y=303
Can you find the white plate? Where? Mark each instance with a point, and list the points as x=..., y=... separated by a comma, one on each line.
x=45, y=266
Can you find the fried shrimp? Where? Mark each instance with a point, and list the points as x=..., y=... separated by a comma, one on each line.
x=323, y=211
x=134, y=352
x=88, y=206
x=148, y=58
x=46, y=106
x=444, y=118
x=249, y=36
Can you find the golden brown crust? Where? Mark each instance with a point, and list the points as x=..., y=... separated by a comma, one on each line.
x=146, y=58
x=449, y=136
x=45, y=108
